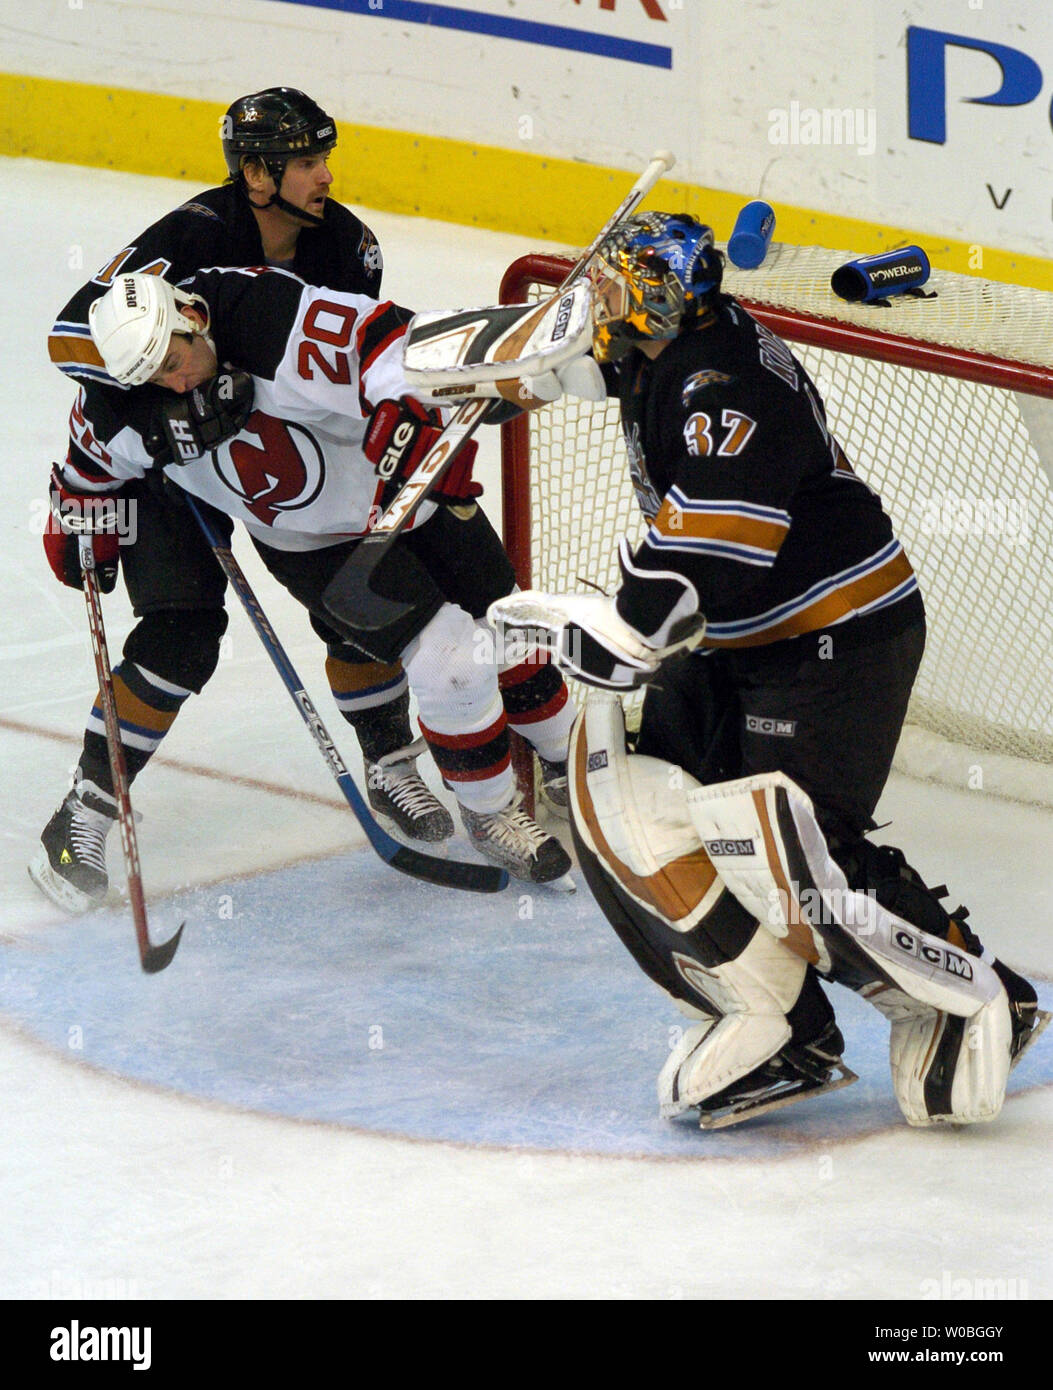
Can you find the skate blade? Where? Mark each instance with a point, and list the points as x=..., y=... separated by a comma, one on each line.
x=1042, y=1017
x=54, y=887
x=759, y=1105
x=565, y=884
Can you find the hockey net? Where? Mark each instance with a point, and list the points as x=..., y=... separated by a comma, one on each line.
x=945, y=406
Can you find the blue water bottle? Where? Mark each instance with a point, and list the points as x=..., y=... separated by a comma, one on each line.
x=752, y=235
x=872, y=279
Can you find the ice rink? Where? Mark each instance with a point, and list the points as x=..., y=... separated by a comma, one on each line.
x=350, y=1086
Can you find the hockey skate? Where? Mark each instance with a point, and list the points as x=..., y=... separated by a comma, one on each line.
x=400, y=798
x=510, y=838
x=69, y=866
x=554, y=790
x=798, y=1071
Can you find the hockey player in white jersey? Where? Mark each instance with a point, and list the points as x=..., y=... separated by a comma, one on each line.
x=303, y=438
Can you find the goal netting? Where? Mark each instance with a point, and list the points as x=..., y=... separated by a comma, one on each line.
x=945, y=405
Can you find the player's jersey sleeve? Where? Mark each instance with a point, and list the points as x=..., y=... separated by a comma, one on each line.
x=105, y=449
x=190, y=236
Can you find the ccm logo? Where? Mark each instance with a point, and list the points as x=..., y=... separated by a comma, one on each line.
x=716, y=848
x=596, y=761
x=783, y=728
x=950, y=961
x=562, y=317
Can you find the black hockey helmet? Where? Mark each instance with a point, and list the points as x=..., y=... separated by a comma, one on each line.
x=275, y=125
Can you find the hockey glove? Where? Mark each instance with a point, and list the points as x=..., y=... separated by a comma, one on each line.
x=398, y=436
x=72, y=515
x=191, y=426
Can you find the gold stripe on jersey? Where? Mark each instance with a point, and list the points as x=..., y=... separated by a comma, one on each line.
x=68, y=349
x=863, y=588
x=721, y=522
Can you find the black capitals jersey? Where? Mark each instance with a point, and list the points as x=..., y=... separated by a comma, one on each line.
x=749, y=495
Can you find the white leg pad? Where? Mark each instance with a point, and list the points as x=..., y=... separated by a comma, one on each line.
x=765, y=843
x=949, y=1071
x=713, y=1054
x=754, y=992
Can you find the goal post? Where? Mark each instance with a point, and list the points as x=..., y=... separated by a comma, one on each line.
x=945, y=406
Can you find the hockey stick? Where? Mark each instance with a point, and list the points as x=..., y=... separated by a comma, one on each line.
x=350, y=592
x=448, y=873
x=153, y=958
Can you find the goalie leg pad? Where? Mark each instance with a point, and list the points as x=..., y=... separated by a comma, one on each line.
x=951, y=1070
x=762, y=835
x=950, y=1045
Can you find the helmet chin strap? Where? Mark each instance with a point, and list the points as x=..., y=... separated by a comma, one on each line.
x=276, y=200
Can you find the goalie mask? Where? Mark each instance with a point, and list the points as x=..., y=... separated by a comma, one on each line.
x=274, y=126
x=652, y=277
x=133, y=322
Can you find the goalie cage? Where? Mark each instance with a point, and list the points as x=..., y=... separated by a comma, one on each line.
x=945, y=406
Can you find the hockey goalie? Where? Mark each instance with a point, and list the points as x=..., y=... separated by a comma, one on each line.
x=777, y=626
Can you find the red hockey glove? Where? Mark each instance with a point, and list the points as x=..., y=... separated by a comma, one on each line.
x=398, y=436
x=72, y=515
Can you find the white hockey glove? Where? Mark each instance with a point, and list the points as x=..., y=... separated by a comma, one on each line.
x=528, y=354
x=589, y=639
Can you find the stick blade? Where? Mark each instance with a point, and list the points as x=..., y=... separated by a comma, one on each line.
x=449, y=873
x=156, y=958
x=352, y=601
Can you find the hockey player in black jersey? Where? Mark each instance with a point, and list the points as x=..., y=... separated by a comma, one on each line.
x=274, y=209
x=777, y=625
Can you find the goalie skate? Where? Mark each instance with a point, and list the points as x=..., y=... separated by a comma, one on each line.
x=795, y=1073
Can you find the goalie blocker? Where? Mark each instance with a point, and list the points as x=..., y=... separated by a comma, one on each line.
x=728, y=897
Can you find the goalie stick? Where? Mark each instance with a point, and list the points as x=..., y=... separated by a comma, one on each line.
x=447, y=873
x=350, y=592
x=153, y=958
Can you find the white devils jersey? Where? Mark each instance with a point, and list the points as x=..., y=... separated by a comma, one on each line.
x=320, y=360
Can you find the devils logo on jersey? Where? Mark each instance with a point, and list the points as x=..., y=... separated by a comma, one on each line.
x=283, y=472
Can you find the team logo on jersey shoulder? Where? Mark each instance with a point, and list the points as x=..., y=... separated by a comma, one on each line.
x=708, y=376
x=369, y=251
x=201, y=211
x=282, y=471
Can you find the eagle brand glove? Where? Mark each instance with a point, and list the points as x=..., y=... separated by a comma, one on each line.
x=72, y=515
x=398, y=436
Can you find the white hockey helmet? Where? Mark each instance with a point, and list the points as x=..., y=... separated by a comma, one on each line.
x=133, y=322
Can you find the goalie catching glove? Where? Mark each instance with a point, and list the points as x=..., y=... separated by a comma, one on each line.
x=189, y=426
x=526, y=354
x=72, y=515
x=588, y=637
x=398, y=436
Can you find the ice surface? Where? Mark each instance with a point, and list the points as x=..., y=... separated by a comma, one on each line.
x=349, y=1085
